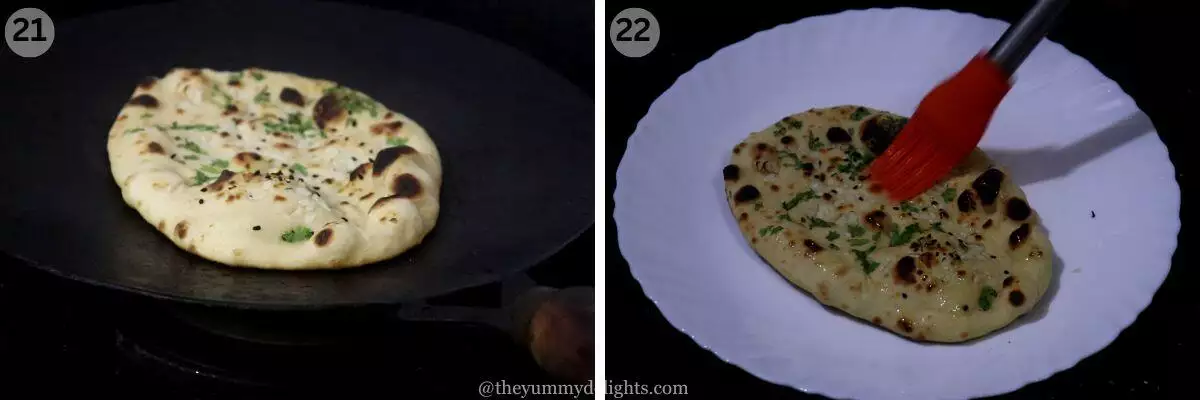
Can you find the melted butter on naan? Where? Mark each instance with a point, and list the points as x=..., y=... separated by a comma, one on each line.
x=963, y=259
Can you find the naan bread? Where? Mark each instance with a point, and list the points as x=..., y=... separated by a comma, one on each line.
x=268, y=169
x=963, y=259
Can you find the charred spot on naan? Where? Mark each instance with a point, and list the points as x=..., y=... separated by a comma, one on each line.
x=291, y=96
x=1016, y=298
x=876, y=220
x=904, y=271
x=144, y=100
x=323, y=237
x=360, y=171
x=837, y=135
x=406, y=186
x=877, y=133
x=327, y=109
x=155, y=148
x=219, y=184
x=387, y=156
x=987, y=185
x=1018, y=236
x=966, y=201
x=745, y=194
x=731, y=173
x=181, y=229
x=1017, y=209
x=387, y=128
x=245, y=158
x=812, y=246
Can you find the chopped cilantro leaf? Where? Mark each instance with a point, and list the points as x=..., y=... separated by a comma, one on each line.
x=858, y=242
x=865, y=260
x=908, y=207
x=235, y=77
x=814, y=143
x=225, y=97
x=814, y=222
x=262, y=97
x=985, y=298
x=191, y=157
x=854, y=162
x=147, y=116
x=937, y=226
x=296, y=125
x=258, y=76
x=134, y=130
x=793, y=123
x=220, y=163
x=799, y=197
x=833, y=235
x=190, y=145
x=769, y=230
x=397, y=141
x=210, y=169
x=876, y=236
x=905, y=236
x=300, y=169
x=201, y=178
x=297, y=234
x=779, y=129
x=859, y=114
x=948, y=195
x=189, y=127
x=353, y=101
x=857, y=230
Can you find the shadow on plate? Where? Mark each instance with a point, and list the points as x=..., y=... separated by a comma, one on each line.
x=1046, y=163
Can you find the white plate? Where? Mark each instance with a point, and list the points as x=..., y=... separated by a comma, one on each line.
x=1074, y=140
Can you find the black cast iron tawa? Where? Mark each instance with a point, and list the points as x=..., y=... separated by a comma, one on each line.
x=515, y=139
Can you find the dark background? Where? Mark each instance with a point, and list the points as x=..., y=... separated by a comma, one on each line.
x=57, y=337
x=1141, y=45
x=559, y=34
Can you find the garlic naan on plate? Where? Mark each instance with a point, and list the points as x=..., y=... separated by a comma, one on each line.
x=963, y=259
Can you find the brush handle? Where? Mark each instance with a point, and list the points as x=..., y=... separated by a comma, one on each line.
x=1019, y=40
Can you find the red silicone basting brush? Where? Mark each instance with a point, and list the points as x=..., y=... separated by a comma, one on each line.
x=950, y=121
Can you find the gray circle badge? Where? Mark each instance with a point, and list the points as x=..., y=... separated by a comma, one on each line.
x=634, y=32
x=29, y=32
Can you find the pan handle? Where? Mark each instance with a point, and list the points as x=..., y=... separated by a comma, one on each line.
x=558, y=327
